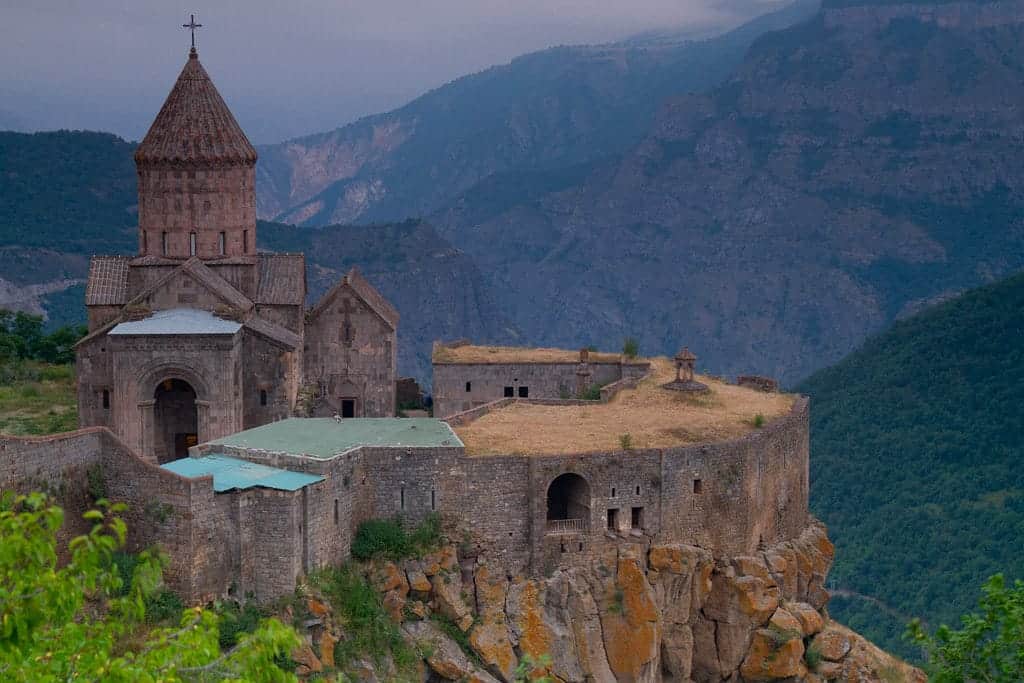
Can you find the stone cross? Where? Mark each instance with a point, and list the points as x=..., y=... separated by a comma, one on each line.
x=192, y=26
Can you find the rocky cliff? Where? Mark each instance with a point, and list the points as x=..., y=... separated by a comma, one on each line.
x=664, y=612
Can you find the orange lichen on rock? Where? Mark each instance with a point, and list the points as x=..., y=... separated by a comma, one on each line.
x=771, y=657
x=632, y=627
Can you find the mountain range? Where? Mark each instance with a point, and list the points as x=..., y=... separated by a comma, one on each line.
x=817, y=183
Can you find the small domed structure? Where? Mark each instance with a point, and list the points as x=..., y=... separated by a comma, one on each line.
x=685, y=362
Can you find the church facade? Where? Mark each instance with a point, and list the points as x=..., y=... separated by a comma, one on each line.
x=200, y=335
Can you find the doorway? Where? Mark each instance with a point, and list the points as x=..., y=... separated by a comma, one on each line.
x=348, y=407
x=176, y=421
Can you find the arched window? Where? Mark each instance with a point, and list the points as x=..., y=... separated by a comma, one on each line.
x=221, y=243
x=191, y=244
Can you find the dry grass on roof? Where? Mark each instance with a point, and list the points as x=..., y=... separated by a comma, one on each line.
x=653, y=417
x=513, y=354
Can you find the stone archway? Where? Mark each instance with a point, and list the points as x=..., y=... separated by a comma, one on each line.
x=175, y=419
x=568, y=503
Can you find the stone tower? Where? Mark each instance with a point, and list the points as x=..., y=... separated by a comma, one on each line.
x=197, y=175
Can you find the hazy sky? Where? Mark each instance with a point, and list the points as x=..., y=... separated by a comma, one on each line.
x=290, y=68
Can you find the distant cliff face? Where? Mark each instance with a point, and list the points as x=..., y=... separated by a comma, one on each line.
x=854, y=164
x=552, y=108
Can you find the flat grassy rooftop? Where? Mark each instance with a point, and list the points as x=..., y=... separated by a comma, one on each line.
x=652, y=417
x=472, y=354
x=323, y=437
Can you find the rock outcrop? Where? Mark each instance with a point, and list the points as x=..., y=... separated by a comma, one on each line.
x=664, y=613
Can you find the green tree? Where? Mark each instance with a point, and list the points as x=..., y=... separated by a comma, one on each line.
x=989, y=647
x=75, y=622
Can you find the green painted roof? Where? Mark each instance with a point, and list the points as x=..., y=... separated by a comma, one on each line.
x=324, y=437
x=232, y=473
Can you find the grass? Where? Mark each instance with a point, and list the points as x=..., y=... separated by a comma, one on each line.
x=37, y=398
x=460, y=637
x=369, y=630
x=513, y=354
x=393, y=540
x=653, y=417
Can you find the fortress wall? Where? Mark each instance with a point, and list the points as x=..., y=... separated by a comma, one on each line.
x=617, y=481
x=488, y=381
x=58, y=465
x=752, y=490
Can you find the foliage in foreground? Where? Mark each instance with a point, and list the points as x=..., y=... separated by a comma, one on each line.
x=392, y=539
x=369, y=630
x=74, y=622
x=990, y=644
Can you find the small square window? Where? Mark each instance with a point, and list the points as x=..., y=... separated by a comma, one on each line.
x=509, y=392
x=524, y=392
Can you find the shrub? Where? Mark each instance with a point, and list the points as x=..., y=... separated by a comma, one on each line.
x=630, y=347
x=389, y=538
x=813, y=658
x=759, y=420
x=164, y=605
x=591, y=393
x=626, y=442
x=235, y=620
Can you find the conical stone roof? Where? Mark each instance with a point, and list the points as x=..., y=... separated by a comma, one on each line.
x=194, y=125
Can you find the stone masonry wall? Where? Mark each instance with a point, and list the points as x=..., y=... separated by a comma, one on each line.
x=205, y=201
x=488, y=381
x=354, y=359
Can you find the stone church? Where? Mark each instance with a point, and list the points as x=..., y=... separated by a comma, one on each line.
x=200, y=335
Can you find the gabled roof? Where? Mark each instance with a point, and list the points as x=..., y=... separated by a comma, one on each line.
x=205, y=277
x=195, y=125
x=365, y=291
x=108, y=281
x=280, y=277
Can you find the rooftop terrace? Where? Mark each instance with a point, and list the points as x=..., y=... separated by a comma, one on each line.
x=652, y=416
x=232, y=473
x=323, y=437
x=473, y=354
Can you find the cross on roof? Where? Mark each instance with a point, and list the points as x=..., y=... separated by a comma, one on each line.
x=192, y=26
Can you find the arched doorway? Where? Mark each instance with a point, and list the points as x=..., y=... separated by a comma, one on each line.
x=175, y=420
x=568, y=504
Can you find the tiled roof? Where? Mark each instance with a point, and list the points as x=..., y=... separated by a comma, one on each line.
x=273, y=332
x=178, y=321
x=108, y=281
x=282, y=279
x=195, y=125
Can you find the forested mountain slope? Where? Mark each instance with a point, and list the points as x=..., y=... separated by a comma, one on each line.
x=917, y=441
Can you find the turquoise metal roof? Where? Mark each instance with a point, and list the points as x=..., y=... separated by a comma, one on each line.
x=178, y=321
x=232, y=473
x=324, y=437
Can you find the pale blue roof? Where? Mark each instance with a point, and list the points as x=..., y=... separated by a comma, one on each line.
x=232, y=473
x=323, y=437
x=178, y=321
